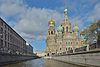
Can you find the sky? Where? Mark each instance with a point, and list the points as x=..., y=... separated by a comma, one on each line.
x=30, y=18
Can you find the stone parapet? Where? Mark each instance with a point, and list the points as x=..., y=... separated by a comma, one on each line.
x=90, y=58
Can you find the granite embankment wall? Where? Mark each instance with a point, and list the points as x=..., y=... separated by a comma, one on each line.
x=9, y=58
x=82, y=58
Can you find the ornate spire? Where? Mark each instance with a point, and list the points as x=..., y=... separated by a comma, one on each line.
x=65, y=14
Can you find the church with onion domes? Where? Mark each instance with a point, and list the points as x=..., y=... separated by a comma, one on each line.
x=63, y=39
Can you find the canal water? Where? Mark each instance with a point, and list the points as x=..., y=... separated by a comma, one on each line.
x=41, y=63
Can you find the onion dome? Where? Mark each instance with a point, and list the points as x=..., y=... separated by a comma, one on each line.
x=76, y=28
x=51, y=22
x=65, y=14
x=65, y=11
x=60, y=29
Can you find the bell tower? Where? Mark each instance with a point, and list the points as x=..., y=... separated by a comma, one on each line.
x=51, y=40
x=66, y=25
x=51, y=29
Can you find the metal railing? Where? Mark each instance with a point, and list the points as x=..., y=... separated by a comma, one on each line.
x=78, y=50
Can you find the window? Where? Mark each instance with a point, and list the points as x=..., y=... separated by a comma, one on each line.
x=1, y=22
x=8, y=45
x=66, y=49
x=69, y=48
x=66, y=42
x=5, y=44
x=56, y=51
x=1, y=32
x=8, y=36
x=66, y=29
x=1, y=43
x=63, y=30
x=5, y=35
x=51, y=32
x=5, y=26
x=60, y=48
x=71, y=42
x=8, y=28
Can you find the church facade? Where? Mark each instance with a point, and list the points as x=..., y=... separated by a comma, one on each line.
x=63, y=39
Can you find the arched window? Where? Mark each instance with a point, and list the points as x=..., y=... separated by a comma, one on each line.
x=60, y=48
x=56, y=51
x=66, y=49
x=66, y=42
x=63, y=30
x=51, y=32
x=66, y=29
x=71, y=42
x=48, y=54
x=69, y=48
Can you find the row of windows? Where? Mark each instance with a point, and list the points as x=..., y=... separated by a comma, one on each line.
x=71, y=43
x=5, y=34
x=5, y=26
x=12, y=48
x=64, y=29
x=51, y=32
x=10, y=36
x=68, y=42
x=5, y=44
x=9, y=39
x=69, y=48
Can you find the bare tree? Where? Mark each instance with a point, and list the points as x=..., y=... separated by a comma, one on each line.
x=92, y=33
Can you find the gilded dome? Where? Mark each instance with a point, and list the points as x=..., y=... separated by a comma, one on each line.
x=65, y=10
x=76, y=28
x=51, y=22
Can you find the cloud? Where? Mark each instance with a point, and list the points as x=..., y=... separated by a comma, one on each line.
x=85, y=19
x=30, y=22
x=35, y=21
x=11, y=7
x=95, y=15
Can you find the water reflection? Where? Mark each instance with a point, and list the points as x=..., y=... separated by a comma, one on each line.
x=41, y=63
